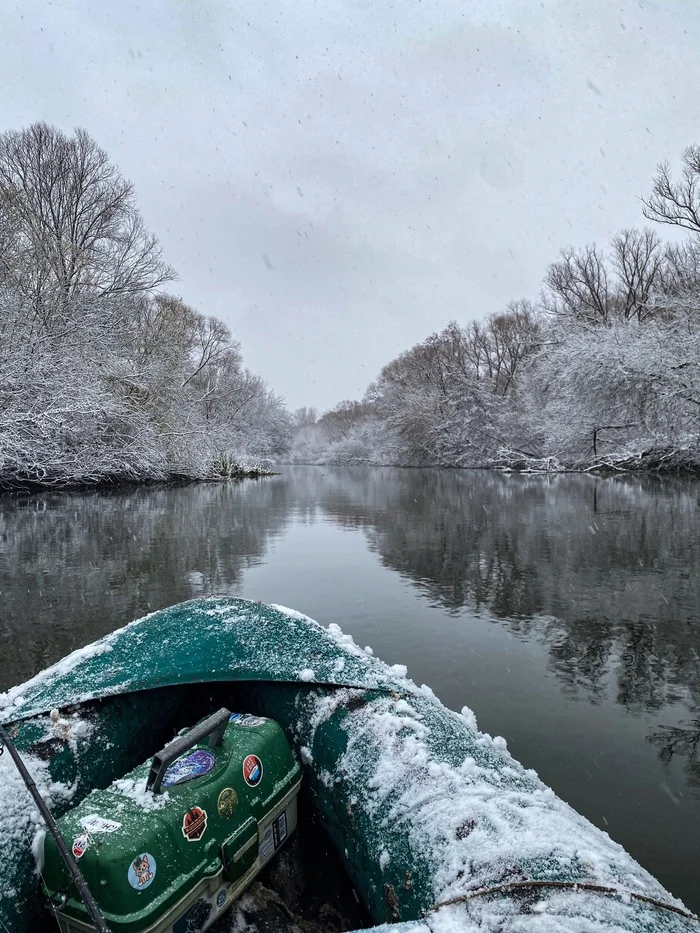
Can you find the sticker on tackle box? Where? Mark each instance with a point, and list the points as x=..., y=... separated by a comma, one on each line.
x=252, y=770
x=142, y=871
x=188, y=767
x=195, y=917
x=279, y=829
x=245, y=719
x=273, y=837
x=81, y=844
x=227, y=803
x=194, y=824
x=94, y=823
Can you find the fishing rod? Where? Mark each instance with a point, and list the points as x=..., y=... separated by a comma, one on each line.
x=69, y=861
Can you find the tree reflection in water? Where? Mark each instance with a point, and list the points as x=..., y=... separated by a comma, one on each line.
x=75, y=566
x=598, y=570
x=681, y=740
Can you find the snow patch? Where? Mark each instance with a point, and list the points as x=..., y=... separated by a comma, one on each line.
x=22, y=822
x=472, y=820
x=38, y=849
x=470, y=720
x=292, y=613
x=135, y=789
x=73, y=730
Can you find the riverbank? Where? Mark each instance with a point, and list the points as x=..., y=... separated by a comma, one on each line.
x=655, y=461
x=659, y=461
x=56, y=483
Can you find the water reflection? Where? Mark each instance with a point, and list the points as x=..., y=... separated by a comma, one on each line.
x=683, y=741
x=74, y=567
x=563, y=609
x=601, y=570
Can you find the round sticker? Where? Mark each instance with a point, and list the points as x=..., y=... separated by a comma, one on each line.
x=142, y=871
x=221, y=898
x=252, y=770
x=80, y=845
x=190, y=766
x=227, y=803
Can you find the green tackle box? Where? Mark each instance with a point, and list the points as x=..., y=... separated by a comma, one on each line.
x=168, y=847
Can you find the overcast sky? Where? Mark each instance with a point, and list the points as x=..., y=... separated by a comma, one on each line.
x=339, y=179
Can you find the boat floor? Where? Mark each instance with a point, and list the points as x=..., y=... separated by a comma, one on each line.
x=305, y=889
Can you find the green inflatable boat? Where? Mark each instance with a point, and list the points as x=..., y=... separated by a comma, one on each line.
x=178, y=755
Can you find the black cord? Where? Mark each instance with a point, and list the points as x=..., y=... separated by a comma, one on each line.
x=70, y=863
x=578, y=885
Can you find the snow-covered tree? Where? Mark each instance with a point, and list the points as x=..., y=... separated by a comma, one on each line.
x=71, y=222
x=104, y=378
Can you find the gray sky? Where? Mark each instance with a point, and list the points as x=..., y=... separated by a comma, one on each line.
x=337, y=180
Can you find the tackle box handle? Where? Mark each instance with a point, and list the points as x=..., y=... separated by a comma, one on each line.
x=213, y=726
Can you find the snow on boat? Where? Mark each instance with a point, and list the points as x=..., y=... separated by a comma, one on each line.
x=438, y=828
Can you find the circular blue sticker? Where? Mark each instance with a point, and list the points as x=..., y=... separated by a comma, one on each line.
x=251, y=721
x=190, y=766
x=142, y=871
x=221, y=898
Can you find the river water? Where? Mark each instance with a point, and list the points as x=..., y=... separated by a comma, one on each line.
x=565, y=611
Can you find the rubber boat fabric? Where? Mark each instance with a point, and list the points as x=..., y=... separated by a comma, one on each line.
x=439, y=828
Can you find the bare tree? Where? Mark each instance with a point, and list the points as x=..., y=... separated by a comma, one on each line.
x=578, y=286
x=513, y=337
x=343, y=418
x=592, y=289
x=70, y=221
x=681, y=270
x=638, y=258
x=304, y=417
x=476, y=341
x=677, y=203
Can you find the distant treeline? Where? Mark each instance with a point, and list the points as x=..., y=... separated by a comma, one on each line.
x=602, y=371
x=104, y=376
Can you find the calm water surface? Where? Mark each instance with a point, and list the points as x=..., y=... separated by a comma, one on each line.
x=564, y=611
